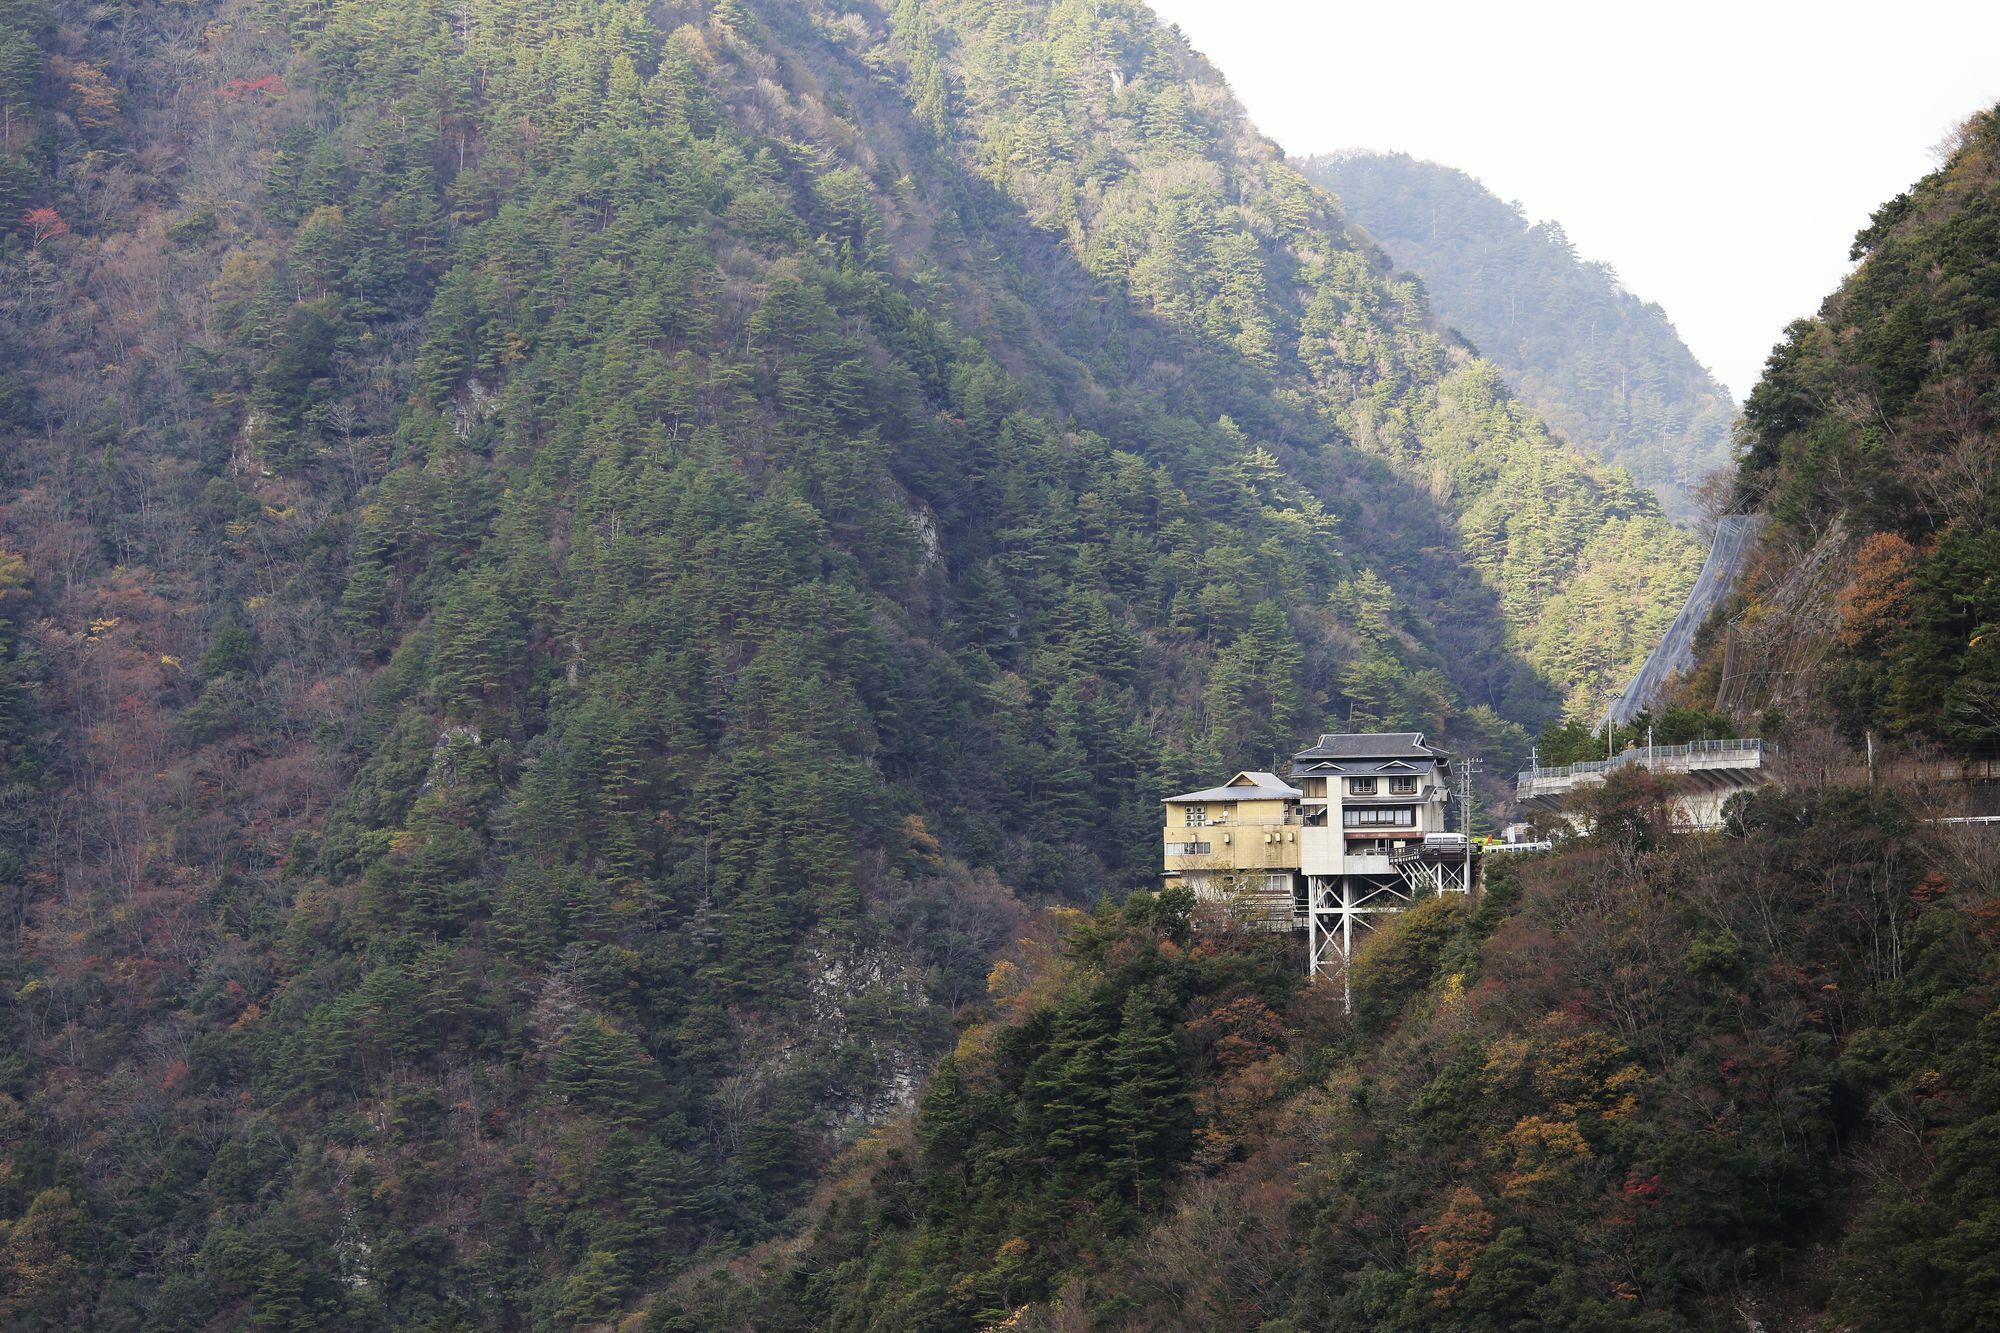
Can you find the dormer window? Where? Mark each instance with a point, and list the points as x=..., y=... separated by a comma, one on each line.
x=1361, y=786
x=1402, y=786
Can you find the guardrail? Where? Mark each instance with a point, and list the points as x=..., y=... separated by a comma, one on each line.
x=1672, y=757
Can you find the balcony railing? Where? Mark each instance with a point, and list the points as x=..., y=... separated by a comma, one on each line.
x=1422, y=795
x=1293, y=821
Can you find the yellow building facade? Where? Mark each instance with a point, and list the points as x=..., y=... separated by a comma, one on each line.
x=1238, y=843
x=1357, y=829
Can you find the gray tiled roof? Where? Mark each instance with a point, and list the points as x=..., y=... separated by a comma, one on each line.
x=1260, y=786
x=1370, y=745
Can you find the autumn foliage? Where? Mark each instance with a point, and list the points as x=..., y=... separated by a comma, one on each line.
x=264, y=85
x=43, y=224
x=1873, y=606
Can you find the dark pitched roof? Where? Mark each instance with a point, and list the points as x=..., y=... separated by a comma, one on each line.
x=1369, y=745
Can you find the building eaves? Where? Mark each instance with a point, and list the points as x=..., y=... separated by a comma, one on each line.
x=1370, y=745
x=1279, y=792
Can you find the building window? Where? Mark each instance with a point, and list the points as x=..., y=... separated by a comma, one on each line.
x=1187, y=849
x=1393, y=816
x=1403, y=786
x=1197, y=816
x=1361, y=786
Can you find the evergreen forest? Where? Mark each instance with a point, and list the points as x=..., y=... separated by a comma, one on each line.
x=596, y=602
x=1653, y=1080
x=1605, y=369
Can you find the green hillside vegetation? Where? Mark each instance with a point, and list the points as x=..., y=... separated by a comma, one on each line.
x=564, y=564
x=1652, y=1080
x=1601, y=366
x=1872, y=448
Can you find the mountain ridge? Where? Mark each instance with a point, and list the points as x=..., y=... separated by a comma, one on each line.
x=569, y=567
x=1603, y=366
x=1653, y=1079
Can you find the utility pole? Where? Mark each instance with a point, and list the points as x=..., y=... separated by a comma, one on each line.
x=1467, y=767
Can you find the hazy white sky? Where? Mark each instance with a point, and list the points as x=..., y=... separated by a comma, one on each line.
x=1720, y=156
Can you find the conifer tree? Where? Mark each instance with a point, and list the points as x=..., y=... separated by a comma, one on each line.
x=1150, y=1112
x=604, y=1070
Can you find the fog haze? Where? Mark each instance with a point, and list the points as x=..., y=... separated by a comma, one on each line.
x=1719, y=156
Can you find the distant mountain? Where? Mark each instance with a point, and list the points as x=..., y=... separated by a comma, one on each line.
x=1600, y=365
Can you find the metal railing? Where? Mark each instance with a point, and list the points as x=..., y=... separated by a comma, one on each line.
x=1421, y=795
x=1223, y=821
x=1653, y=756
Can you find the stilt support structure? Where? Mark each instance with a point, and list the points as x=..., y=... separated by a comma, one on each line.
x=1340, y=907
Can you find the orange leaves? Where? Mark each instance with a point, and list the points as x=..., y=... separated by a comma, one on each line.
x=1236, y=1109
x=95, y=95
x=1587, y=1072
x=268, y=86
x=923, y=846
x=1572, y=1075
x=1540, y=1152
x=1644, y=1190
x=1929, y=889
x=43, y=224
x=1572, y=1070
x=1448, y=1247
x=1239, y=1033
x=1242, y=1037
x=1004, y=982
x=1872, y=605
x=1986, y=920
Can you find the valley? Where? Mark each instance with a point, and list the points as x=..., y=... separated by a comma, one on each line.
x=599, y=602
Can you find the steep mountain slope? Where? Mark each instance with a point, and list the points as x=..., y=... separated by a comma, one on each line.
x=1603, y=367
x=563, y=562
x=1652, y=1081
x=1874, y=451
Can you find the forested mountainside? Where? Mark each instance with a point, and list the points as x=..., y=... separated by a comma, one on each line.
x=567, y=565
x=1873, y=449
x=1601, y=366
x=1653, y=1080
